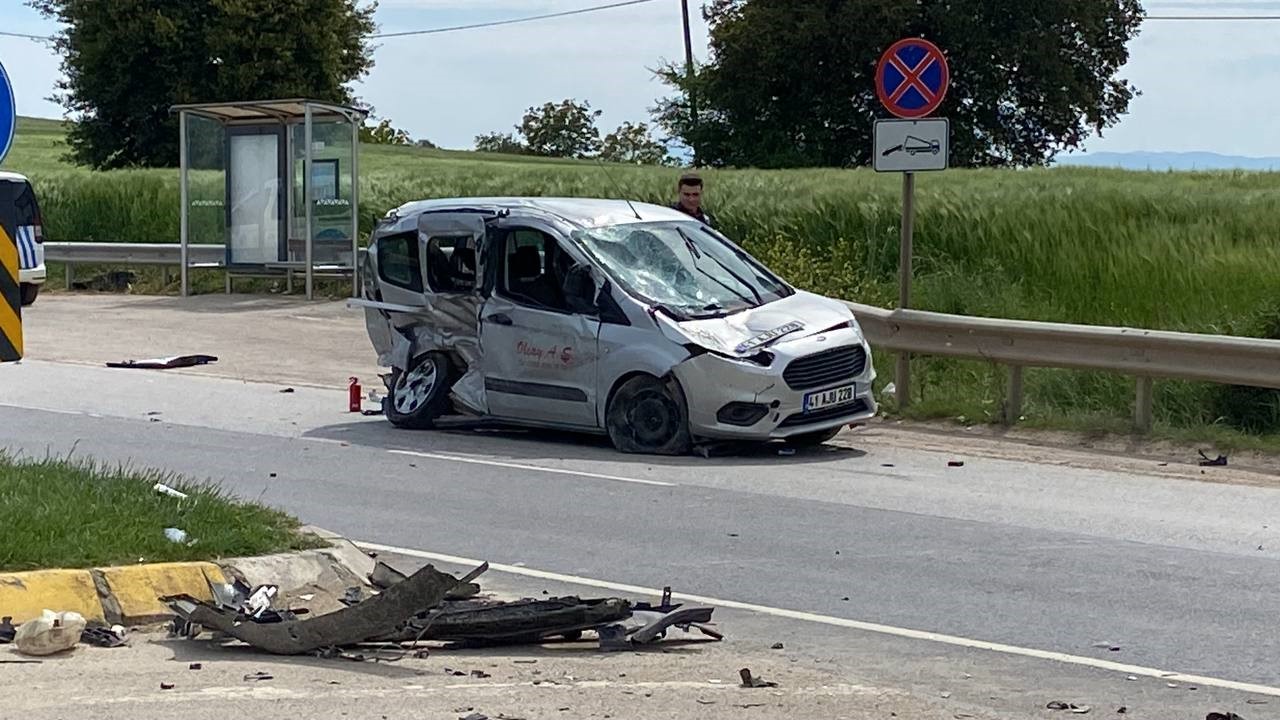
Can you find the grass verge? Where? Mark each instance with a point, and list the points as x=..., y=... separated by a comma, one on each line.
x=61, y=513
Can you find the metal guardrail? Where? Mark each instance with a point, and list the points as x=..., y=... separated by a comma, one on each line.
x=1018, y=344
x=93, y=253
x=1144, y=354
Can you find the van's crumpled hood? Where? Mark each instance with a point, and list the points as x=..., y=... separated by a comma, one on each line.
x=728, y=335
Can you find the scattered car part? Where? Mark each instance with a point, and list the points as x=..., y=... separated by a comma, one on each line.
x=382, y=615
x=165, y=363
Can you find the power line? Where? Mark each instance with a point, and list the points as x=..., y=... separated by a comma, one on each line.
x=23, y=35
x=513, y=21
x=452, y=28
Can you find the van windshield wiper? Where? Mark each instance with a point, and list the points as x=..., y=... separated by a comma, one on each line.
x=698, y=254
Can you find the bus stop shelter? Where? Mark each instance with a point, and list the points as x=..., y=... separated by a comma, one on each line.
x=277, y=183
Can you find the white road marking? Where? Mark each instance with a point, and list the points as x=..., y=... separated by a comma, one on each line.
x=535, y=468
x=43, y=409
x=1081, y=660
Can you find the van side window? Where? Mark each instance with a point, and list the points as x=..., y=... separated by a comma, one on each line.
x=398, y=261
x=533, y=269
x=451, y=263
x=28, y=208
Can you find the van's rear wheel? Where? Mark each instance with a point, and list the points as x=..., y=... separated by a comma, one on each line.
x=649, y=416
x=29, y=293
x=418, y=395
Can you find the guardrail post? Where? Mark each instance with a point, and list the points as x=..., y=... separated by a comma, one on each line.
x=70, y=269
x=1142, y=405
x=1013, y=399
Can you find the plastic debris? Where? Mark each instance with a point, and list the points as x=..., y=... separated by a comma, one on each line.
x=165, y=363
x=1216, y=462
x=955, y=463
x=776, y=646
x=176, y=535
x=50, y=633
x=166, y=686
x=166, y=490
x=1077, y=709
x=751, y=681
x=258, y=676
x=113, y=636
x=7, y=630
x=195, y=666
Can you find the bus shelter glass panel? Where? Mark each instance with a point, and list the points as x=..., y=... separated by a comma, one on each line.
x=332, y=159
x=255, y=194
x=206, y=181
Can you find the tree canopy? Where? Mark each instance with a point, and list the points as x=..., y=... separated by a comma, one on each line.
x=126, y=62
x=791, y=82
x=568, y=129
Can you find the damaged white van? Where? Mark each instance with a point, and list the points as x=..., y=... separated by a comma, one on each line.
x=603, y=316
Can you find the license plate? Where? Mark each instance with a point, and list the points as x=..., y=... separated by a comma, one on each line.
x=829, y=398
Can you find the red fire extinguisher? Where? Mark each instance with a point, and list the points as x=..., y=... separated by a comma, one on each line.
x=353, y=395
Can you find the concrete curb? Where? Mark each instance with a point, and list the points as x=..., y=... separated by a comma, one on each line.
x=129, y=595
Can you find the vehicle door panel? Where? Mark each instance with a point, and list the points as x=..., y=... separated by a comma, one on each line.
x=539, y=363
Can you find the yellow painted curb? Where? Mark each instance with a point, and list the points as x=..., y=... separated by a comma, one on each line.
x=24, y=595
x=136, y=589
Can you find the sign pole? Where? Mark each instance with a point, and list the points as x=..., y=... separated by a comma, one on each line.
x=911, y=82
x=902, y=380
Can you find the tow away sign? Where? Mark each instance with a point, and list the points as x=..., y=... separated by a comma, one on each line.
x=911, y=145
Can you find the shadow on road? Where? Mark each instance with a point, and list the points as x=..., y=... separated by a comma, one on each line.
x=518, y=445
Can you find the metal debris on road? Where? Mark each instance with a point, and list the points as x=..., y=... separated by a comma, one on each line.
x=751, y=681
x=1222, y=716
x=430, y=606
x=101, y=636
x=474, y=716
x=776, y=646
x=258, y=676
x=1216, y=462
x=1059, y=705
x=166, y=363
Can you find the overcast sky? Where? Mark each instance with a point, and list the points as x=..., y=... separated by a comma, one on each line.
x=1206, y=85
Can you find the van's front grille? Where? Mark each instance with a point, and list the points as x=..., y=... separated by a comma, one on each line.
x=825, y=368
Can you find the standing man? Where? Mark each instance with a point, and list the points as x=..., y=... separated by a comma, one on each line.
x=690, y=202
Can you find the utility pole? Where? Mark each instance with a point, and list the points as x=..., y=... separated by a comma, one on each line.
x=688, y=74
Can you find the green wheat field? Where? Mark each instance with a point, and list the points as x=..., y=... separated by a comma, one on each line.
x=1196, y=252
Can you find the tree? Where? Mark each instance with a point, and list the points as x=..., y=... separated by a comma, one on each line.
x=565, y=129
x=384, y=134
x=506, y=144
x=1029, y=78
x=127, y=61
x=632, y=143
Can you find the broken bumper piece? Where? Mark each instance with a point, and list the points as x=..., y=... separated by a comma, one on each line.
x=428, y=605
x=383, y=614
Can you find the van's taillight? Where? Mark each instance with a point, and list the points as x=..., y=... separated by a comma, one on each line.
x=39, y=228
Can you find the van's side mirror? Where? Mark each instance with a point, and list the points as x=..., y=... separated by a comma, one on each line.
x=580, y=290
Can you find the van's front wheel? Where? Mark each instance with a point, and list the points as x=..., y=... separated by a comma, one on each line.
x=418, y=395
x=649, y=416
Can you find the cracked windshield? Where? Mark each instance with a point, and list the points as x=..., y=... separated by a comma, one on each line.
x=682, y=267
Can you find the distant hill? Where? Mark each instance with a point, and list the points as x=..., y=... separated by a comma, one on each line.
x=1170, y=161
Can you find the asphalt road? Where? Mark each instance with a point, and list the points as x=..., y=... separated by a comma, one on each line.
x=1180, y=575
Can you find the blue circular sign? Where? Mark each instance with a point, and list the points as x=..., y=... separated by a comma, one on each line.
x=912, y=78
x=8, y=114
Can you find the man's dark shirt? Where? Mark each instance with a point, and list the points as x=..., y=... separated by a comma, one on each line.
x=701, y=215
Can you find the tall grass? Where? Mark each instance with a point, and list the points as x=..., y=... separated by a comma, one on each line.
x=1181, y=251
